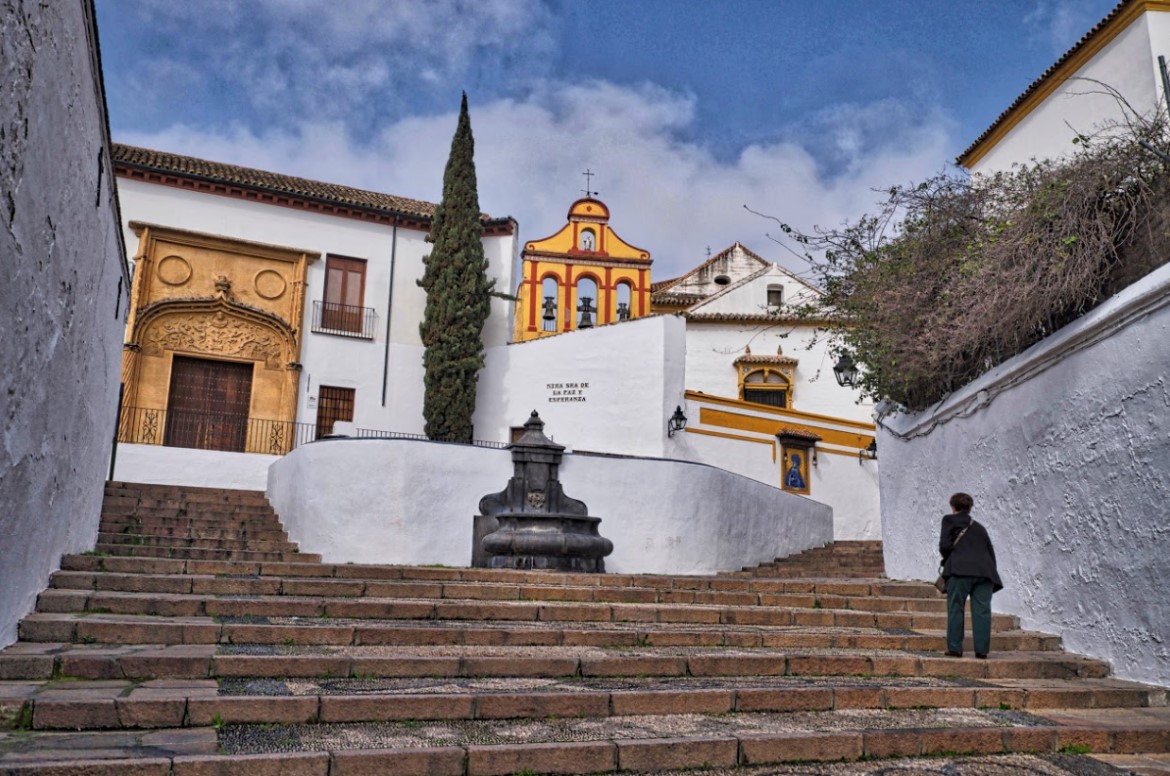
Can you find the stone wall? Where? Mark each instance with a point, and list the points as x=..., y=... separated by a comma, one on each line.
x=1066, y=449
x=63, y=297
x=412, y=502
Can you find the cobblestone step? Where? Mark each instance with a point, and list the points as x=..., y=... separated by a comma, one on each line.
x=636, y=744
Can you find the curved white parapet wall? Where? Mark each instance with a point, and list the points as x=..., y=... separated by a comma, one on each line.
x=1066, y=449
x=184, y=466
x=412, y=502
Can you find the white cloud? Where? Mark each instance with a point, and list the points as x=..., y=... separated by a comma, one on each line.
x=668, y=195
x=337, y=59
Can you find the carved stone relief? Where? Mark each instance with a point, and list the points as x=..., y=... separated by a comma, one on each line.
x=270, y=284
x=174, y=270
x=217, y=334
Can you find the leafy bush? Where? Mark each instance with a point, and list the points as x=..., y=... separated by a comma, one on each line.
x=952, y=276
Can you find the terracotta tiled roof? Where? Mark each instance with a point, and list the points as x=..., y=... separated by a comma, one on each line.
x=269, y=181
x=677, y=299
x=752, y=358
x=755, y=317
x=797, y=433
x=1032, y=87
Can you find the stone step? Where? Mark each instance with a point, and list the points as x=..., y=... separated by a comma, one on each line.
x=194, y=531
x=124, y=704
x=194, y=493
x=143, y=551
x=161, y=510
x=316, y=604
x=260, y=585
x=104, y=646
x=85, y=656
x=155, y=540
x=638, y=744
x=300, y=568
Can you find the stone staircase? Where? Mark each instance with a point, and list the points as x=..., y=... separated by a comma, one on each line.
x=843, y=559
x=256, y=659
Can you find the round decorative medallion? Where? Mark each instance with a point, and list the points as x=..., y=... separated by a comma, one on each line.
x=174, y=270
x=269, y=284
x=589, y=208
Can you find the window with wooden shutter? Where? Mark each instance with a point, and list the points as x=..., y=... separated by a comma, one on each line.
x=345, y=289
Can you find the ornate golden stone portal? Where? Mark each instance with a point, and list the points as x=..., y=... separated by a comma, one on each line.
x=212, y=342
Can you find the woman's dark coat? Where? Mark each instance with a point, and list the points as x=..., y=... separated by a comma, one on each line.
x=974, y=556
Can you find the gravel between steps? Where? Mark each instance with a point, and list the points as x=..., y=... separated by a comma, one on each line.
x=254, y=739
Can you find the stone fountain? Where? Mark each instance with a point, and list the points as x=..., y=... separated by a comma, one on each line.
x=538, y=526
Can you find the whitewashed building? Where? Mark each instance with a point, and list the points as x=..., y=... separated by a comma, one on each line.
x=1083, y=91
x=265, y=309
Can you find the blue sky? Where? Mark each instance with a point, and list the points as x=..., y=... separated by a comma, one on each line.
x=686, y=110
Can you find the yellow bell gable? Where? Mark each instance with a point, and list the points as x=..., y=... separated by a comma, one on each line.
x=588, y=235
x=583, y=275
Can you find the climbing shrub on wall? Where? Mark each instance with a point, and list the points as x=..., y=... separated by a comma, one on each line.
x=952, y=276
x=458, y=296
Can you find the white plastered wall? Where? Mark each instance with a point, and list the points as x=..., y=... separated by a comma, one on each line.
x=160, y=465
x=1128, y=63
x=608, y=389
x=60, y=310
x=846, y=483
x=713, y=347
x=1066, y=449
x=413, y=502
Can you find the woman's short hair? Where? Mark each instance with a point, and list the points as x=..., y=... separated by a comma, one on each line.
x=962, y=502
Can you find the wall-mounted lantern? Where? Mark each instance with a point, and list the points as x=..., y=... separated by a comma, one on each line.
x=845, y=371
x=869, y=452
x=677, y=422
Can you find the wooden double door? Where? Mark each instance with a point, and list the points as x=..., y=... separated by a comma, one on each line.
x=208, y=404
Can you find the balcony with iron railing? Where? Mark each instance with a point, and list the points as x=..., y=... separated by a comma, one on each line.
x=343, y=320
x=232, y=433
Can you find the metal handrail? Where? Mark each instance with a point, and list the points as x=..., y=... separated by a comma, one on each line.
x=233, y=433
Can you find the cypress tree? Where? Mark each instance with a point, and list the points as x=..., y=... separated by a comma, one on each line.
x=458, y=296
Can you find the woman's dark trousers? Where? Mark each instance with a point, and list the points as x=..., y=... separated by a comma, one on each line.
x=979, y=590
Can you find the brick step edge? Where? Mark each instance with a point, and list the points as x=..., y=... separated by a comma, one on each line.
x=90, y=665
x=185, y=553
x=176, y=709
x=387, y=572
x=194, y=542
x=745, y=749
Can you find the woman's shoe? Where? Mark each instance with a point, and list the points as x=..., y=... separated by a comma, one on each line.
x=956, y=654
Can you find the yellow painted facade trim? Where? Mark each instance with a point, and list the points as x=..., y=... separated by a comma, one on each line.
x=1054, y=80
x=722, y=419
x=736, y=437
x=788, y=413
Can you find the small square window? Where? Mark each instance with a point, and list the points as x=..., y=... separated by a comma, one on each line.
x=775, y=296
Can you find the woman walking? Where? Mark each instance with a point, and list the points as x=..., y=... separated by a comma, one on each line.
x=968, y=560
